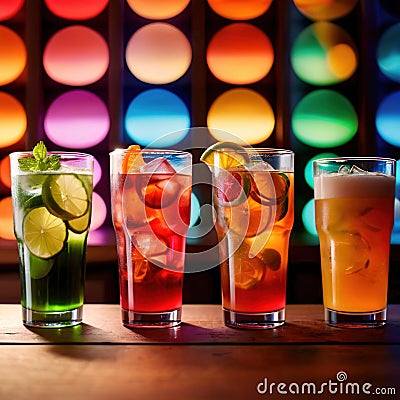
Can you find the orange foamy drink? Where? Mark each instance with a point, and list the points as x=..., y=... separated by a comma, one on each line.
x=253, y=200
x=354, y=211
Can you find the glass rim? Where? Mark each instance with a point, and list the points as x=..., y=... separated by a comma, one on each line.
x=63, y=153
x=152, y=151
x=355, y=158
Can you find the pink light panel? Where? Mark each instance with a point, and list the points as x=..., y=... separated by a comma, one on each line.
x=77, y=119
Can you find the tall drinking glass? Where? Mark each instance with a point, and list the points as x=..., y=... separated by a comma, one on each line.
x=253, y=201
x=150, y=194
x=52, y=206
x=354, y=211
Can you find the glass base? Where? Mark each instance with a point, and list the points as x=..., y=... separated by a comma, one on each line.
x=167, y=319
x=268, y=320
x=53, y=319
x=342, y=319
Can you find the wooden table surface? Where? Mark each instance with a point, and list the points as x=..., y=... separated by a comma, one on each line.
x=201, y=359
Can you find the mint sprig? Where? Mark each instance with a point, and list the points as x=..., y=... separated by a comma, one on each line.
x=40, y=161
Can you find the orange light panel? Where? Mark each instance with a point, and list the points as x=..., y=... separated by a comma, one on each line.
x=6, y=219
x=76, y=9
x=12, y=120
x=240, y=9
x=76, y=55
x=319, y=10
x=158, y=53
x=9, y=8
x=240, y=54
x=12, y=55
x=158, y=9
x=5, y=176
x=243, y=113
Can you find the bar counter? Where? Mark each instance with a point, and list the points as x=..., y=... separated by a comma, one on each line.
x=201, y=359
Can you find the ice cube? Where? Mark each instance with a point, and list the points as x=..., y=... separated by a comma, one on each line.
x=349, y=250
x=159, y=165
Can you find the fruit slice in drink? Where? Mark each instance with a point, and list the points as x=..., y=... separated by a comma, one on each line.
x=43, y=233
x=65, y=196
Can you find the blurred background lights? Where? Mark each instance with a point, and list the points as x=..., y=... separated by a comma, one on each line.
x=97, y=172
x=324, y=54
x=158, y=9
x=6, y=219
x=324, y=118
x=76, y=9
x=9, y=8
x=308, y=170
x=240, y=9
x=77, y=119
x=325, y=9
x=13, y=55
x=240, y=53
x=13, y=120
x=76, y=55
x=99, y=212
x=388, y=119
x=243, y=113
x=194, y=210
x=158, y=53
x=308, y=217
x=157, y=117
x=388, y=53
x=5, y=176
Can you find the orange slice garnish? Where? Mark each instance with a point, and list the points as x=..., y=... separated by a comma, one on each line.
x=133, y=159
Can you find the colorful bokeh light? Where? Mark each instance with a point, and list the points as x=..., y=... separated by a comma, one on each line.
x=9, y=8
x=388, y=53
x=240, y=9
x=6, y=219
x=76, y=56
x=194, y=210
x=240, y=53
x=308, y=217
x=13, y=120
x=13, y=55
x=324, y=54
x=243, y=113
x=157, y=117
x=76, y=9
x=158, y=9
x=319, y=10
x=99, y=212
x=77, y=119
x=308, y=170
x=388, y=119
x=324, y=118
x=5, y=176
x=158, y=53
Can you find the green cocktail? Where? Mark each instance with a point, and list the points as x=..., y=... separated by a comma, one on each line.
x=52, y=202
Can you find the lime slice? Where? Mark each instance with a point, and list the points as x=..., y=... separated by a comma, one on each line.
x=81, y=224
x=39, y=267
x=43, y=233
x=225, y=155
x=65, y=196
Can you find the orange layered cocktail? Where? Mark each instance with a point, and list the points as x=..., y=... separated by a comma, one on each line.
x=253, y=200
